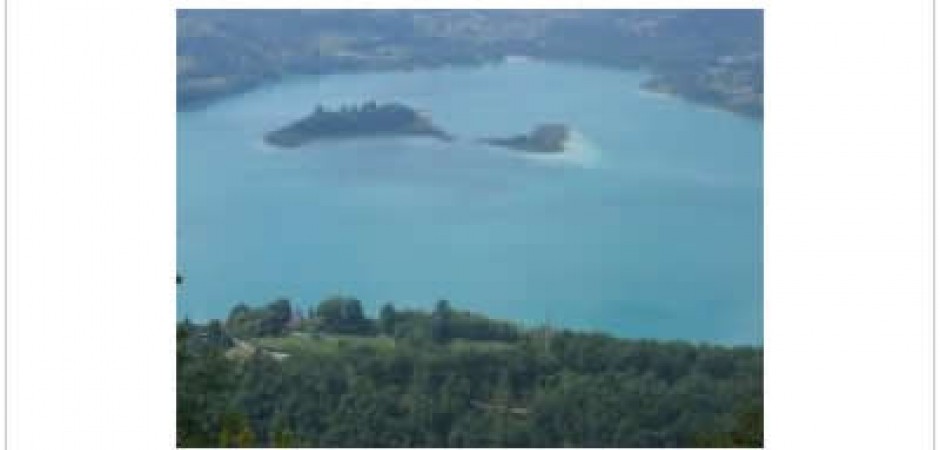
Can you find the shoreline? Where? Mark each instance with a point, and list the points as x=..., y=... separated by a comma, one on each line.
x=530, y=325
x=509, y=60
x=709, y=107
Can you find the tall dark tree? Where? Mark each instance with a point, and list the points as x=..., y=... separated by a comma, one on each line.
x=387, y=319
x=280, y=312
x=342, y=315
x=441, y=321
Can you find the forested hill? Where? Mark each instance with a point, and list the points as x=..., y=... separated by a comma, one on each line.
x=709, y=56
x=275, y=376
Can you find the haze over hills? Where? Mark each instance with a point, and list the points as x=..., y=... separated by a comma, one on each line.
x=711, y=57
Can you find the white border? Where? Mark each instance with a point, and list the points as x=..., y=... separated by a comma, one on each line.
x=848, y=235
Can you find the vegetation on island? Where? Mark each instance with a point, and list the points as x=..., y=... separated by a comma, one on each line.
x=367, y=120
x=547, y=138
x=275, y=376
x=710, y=56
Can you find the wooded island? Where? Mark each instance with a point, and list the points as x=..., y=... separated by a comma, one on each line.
x=368, y=120
x=548, y=138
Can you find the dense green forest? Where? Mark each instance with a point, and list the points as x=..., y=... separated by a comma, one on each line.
x=713, y=57
x=275, y=376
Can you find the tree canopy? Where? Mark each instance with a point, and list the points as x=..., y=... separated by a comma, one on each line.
x=478, y=382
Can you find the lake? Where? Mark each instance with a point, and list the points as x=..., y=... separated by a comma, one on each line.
x=650, y=227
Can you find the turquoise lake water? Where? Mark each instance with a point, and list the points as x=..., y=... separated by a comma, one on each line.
x=650, y=227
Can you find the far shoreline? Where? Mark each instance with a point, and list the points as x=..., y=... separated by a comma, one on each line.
x=508, y=60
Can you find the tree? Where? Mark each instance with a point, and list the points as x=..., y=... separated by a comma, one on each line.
x=441, y=321
x=595, y=391
x=420, y=404
x=387, y=319
x=279, y=313
x=501, y=404
x=284, y=439
x=270, y=320
x=245, y=437
x=342, y=315
x=352, y=311
x=282, y=436
x=236, y=432
x=203, y=386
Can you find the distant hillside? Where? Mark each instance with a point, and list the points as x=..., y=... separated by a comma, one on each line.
x=709, y=56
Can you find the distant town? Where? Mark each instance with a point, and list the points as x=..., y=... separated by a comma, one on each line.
x=710, y=57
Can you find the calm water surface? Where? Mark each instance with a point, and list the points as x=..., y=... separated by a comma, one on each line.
x=651, y=227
